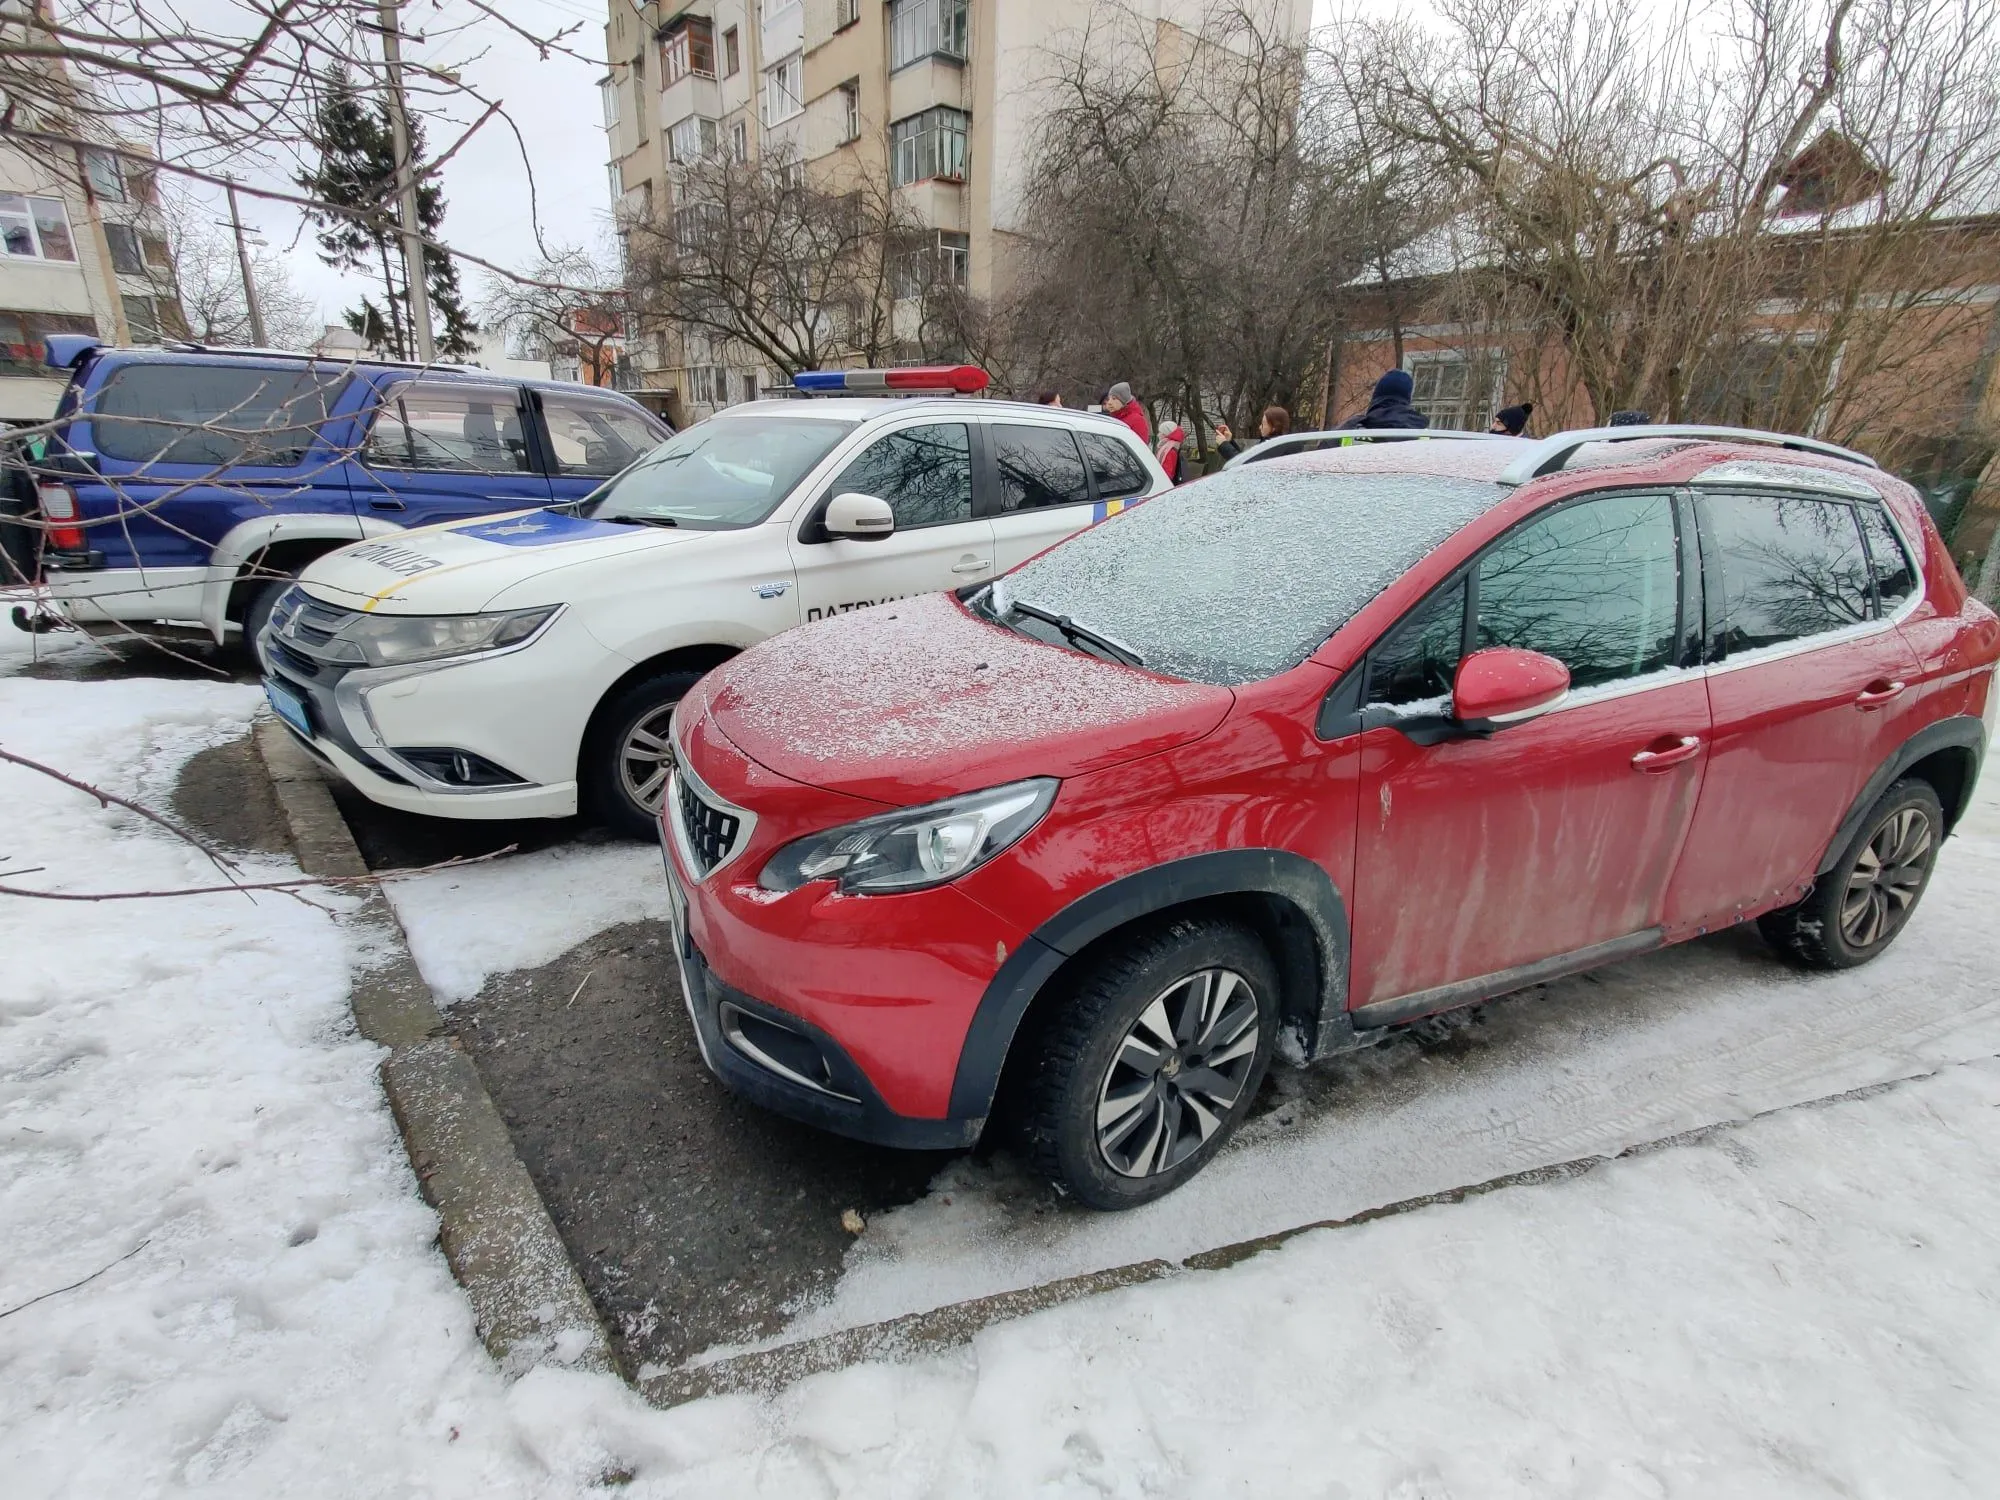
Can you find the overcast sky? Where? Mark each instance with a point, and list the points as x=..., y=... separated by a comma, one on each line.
x=556, y=106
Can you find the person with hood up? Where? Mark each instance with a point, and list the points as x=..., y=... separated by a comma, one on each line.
x=1119, y=403
x=1512, y=421
x=1170, y=451
x=1390, y=406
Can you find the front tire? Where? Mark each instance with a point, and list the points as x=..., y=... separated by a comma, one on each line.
x=1856, y=909
x=628, y=754
x=257, y=614
x=1152, y=1063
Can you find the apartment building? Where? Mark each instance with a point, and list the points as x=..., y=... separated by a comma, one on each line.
x=933, y=100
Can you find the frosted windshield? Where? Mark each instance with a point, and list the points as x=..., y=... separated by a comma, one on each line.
x=1243, y=574
x=719, y=474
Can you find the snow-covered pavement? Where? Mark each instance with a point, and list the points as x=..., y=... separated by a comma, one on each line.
x=1803, y=1304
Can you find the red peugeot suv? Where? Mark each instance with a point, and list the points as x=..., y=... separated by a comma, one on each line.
x=1308, y=750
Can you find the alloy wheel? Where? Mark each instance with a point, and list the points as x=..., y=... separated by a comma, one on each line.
x=1178, y=1072
x=647, y=757
x=1887, y=878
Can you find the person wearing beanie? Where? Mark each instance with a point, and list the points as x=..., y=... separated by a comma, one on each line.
x=1390, y=406
x=1512, y=421
x=1119, y=403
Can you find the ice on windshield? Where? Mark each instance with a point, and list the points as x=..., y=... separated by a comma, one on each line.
x=1244, y=574
x=719, y=474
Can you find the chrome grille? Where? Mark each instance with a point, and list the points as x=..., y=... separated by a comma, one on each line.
x=309, y=626
x=709, y=830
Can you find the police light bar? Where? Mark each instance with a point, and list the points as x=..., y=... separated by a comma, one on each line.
x=911, y=380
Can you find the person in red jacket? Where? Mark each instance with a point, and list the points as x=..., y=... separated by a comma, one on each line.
x=1118, y=402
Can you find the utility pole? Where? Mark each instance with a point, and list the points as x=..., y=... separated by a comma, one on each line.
x=249, y=281
x=406, y=185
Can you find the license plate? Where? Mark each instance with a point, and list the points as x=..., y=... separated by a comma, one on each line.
x=289, y=706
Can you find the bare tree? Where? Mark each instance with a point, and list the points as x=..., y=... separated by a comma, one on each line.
x=761, y=256
x=210, y=281
x=574, y=310
x=1197, y=216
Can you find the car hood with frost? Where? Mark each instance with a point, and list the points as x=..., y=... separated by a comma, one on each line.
x=913, y=701
x=462, y=567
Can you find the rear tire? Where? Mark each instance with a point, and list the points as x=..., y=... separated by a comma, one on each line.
x=1856, y=909
x=627, y=755
x=1151, y=1064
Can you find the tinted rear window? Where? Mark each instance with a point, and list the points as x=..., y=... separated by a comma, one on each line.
x=1246, y=573
x=215, y=415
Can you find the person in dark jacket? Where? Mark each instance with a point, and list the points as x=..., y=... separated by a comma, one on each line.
x=1226, y=446
x=1275, y=422
x=1512, y=421
x=1390, y=406
x=1119, y=403
x=1631, y=419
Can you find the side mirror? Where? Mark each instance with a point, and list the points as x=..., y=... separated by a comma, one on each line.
x=1503, y=685
x=860, y=517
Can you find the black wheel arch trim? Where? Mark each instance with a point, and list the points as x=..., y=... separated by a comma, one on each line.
x=1226, y=872
x=1960, y=732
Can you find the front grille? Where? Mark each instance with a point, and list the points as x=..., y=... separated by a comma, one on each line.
x=708, y=831
x=309, y=626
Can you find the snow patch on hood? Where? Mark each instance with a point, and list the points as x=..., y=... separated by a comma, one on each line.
x=922, y=681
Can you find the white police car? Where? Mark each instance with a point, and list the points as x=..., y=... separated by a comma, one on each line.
x=526, y=665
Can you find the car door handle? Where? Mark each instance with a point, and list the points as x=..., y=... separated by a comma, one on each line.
x=385, y=505
x=1687, y=748
x=971, y=565
x=1876, y=694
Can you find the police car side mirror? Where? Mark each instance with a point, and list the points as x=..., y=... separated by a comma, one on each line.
x=859, y=517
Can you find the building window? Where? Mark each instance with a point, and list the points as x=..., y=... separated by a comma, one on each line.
x=739, y=141
x=693, y=139
x=926, y=28
x=941, y=258
x=689, y=50
x=784, y=90
x=143, y=319
x=845, y=13
x=749, y=387
x=107, y=176
x=21, y=335
x=1454, y=391
x=708, y=385
x=608, y=89
x=732, y=54
x=617, y=180
x=850, y=111
x=928, y=145
x=35, y=228
x=126, y=259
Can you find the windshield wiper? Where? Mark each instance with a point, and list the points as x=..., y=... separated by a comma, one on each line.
x=1075, y=633
x=638, y=520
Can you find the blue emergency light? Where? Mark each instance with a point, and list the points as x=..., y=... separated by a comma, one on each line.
x=910, y=380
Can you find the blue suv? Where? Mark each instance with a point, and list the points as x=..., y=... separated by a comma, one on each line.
x=187, y=486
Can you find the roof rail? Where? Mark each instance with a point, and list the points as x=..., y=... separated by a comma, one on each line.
x=1552, y=453
x=1257, y=452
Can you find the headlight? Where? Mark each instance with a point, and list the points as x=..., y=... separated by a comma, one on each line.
x=915, y=847
x=391, y=640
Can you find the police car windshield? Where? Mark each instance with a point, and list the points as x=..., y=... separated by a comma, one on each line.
x=1242, y=575
x=719, y=474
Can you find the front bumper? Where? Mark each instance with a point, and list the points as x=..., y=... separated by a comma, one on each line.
x=516, y=710
x=846, y=1103
x=882, y=989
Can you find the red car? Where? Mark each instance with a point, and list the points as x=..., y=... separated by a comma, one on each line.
x=1304, y=751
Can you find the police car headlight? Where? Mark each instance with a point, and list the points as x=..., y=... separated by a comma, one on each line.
x=915, y=847
x=392, y=640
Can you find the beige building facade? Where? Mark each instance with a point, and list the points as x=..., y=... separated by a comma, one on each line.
x=935, y=101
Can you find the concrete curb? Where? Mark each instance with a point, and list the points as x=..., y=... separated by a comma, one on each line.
x=495, y=1231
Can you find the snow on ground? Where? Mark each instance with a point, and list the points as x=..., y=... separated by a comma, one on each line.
x=1803, y=1304
x=523, y=911
x=1711, y=1031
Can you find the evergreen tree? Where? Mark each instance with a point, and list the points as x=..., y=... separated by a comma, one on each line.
x=357, y=171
